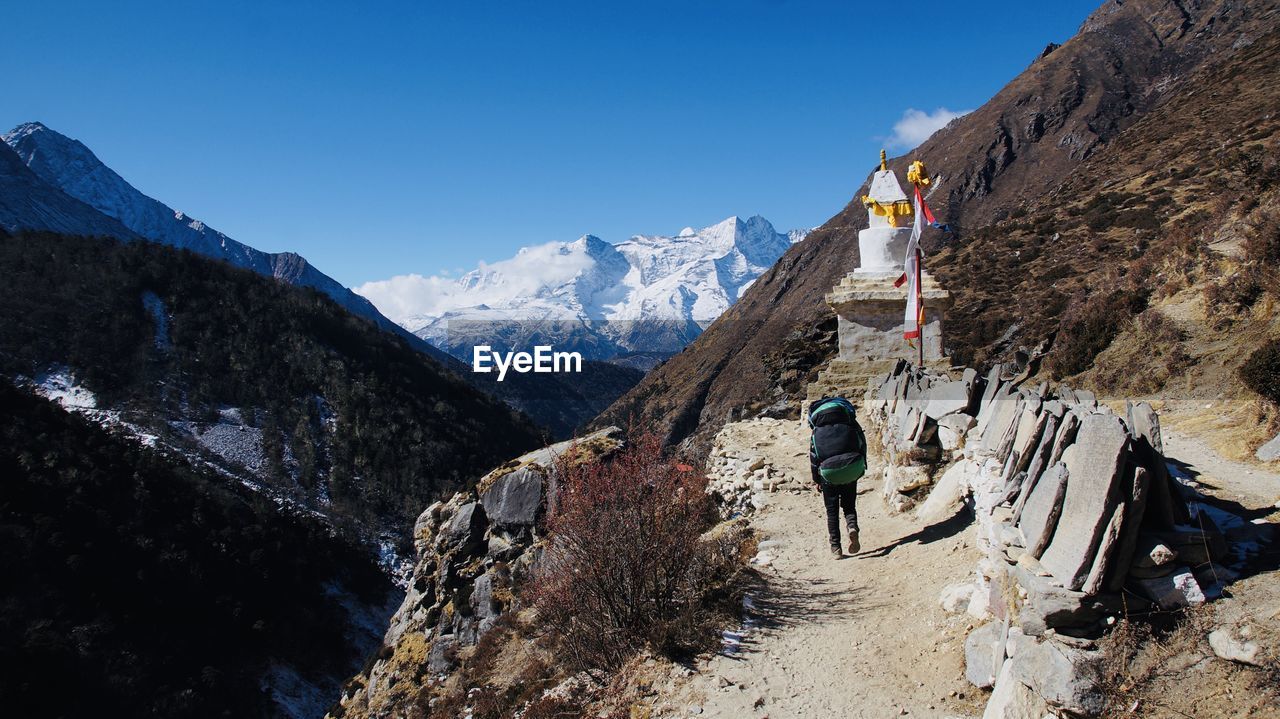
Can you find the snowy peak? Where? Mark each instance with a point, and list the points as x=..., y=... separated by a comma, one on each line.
x=649, y=293
x=86, y=184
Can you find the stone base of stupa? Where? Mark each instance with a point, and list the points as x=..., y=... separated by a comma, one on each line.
x=871, y=322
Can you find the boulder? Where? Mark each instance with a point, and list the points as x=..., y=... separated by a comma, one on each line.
x=1228, y=647
x=515, y=498
x=1093, y=465
x=953, y=429
x=1065, y=677
x=1012, y=699
x=1269, y=452
x=907, y=479
x=464, y=529
x=1043, y=507
x=984, y=654
x=955, y=597
x=1174, y=591
x=947, y=496
x=441, y=658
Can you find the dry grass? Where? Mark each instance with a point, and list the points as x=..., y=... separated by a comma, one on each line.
x=1153, y=670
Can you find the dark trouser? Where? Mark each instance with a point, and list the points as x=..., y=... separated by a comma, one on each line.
x=837, y=497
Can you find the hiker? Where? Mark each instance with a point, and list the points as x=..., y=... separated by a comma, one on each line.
x=837, y=459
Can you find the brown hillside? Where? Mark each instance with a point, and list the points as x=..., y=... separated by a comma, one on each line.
x=1080, y=174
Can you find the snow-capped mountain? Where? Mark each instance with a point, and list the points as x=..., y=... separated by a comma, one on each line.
x=29, y=203
x=650, y=293
x=68, y=165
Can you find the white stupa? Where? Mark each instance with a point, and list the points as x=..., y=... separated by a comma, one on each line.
x=882, y=247
x=869, y=308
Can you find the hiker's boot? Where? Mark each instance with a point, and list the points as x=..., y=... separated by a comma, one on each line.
x=835, y=550
x=854, y=545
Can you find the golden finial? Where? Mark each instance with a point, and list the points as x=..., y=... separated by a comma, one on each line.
x=917, y=175
x=883, y=165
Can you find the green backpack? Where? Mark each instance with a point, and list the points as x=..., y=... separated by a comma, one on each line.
x=839, y=445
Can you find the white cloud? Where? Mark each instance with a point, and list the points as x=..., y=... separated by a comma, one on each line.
x=916, y=126
x=403, y=297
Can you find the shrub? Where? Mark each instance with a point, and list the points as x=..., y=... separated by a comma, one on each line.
x=1089, y=324
x=625, y=566
x=1261, y=372
x=1230, y=299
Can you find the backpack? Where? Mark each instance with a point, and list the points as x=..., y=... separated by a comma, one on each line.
x=839, y=446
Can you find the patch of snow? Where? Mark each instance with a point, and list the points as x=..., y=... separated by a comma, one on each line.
x=59, y=385
x=399, y=568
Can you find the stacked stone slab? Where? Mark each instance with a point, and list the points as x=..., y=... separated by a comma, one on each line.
x=920, y=419
x=1078, y=519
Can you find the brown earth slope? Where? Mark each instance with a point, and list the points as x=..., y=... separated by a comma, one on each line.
x=1086, y=171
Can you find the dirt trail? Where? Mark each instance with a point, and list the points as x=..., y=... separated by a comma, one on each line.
x=864, y=636
x=1251, y=486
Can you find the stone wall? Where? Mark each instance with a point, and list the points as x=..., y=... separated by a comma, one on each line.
x=1076, y=512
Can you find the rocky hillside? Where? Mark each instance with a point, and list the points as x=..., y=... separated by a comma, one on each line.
x=28, y=202
x=141, y=584
x=1095, y=167
x=70, y=166
x=52, y=183
x=273, y=385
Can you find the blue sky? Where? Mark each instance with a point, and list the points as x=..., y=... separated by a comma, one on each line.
x=379, y=138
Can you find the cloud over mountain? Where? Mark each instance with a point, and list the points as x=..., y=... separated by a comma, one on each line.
x=915, y=126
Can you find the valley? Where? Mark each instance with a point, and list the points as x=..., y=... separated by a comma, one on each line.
x=579, y=481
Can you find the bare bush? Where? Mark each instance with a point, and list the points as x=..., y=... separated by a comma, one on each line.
x=625, y=567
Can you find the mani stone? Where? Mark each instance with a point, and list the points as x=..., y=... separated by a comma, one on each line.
x=1012, y=699
x=1037, y=464
x=1093, y=465
x=1066, y=677
x=514, y=498
x=984, y=654
x=1145, y=423
x=1042, y=509
x=1135, y=509
x=1104, y=559
x=947, y=397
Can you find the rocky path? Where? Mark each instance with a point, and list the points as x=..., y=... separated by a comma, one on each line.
x=863, y=636
x=1251, y=486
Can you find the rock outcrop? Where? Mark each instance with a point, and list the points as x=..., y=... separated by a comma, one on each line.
x=474, y=551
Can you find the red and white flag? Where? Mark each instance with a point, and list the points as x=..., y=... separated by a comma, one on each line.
x=914, y=318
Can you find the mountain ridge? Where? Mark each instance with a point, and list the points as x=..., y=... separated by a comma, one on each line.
x=69, y=165
x=1066, y=109
x=648, y=293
